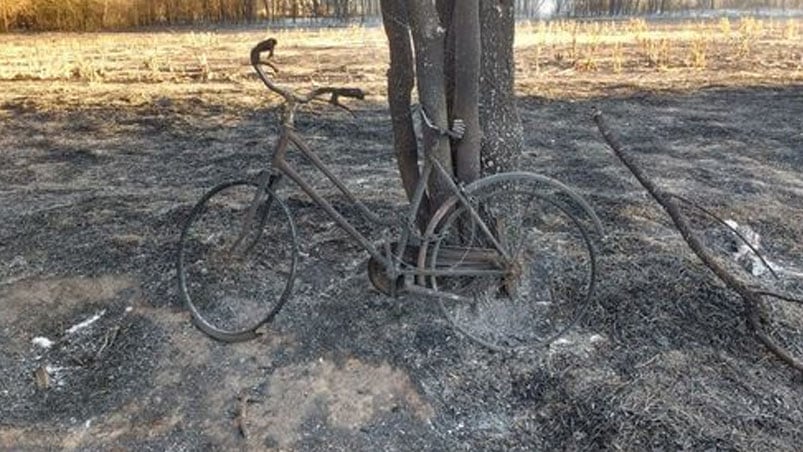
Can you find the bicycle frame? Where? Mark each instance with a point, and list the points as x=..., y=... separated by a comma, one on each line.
x=392, y=261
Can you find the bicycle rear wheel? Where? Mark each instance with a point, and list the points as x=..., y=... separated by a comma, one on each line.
x=549, y=271
x=236, y=260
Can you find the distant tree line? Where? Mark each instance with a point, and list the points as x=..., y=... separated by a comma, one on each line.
x=574, y=8
x=87, y=15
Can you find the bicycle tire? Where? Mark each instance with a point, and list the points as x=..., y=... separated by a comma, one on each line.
x=232, y=292
x=551, y=252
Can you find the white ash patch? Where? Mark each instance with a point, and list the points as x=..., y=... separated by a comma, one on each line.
x=56, y=374
x=749, y=260
x=41, y=341
x=85, y=323
x=743, y=252
x=578, y=344
x=562, y=341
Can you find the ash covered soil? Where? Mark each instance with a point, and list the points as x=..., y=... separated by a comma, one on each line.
x=92, y=195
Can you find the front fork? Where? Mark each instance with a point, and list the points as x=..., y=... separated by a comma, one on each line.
x=258, y=210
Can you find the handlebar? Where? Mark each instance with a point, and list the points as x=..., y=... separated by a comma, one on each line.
x=289, y=95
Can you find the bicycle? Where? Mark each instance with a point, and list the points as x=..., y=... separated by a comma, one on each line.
x=508, y=257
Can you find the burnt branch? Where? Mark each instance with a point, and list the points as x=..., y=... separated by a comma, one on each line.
x=336, y=93
x=752, y=299
x=267, y=45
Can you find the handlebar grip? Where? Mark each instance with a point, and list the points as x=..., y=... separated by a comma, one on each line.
x=265, y=46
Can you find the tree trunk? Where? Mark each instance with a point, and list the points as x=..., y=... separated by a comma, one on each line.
x=5, y=25
x=502, y=134
x=400, y=86
x=429, y=41
x=466, y=26
x=463, y=69
x=268, y=12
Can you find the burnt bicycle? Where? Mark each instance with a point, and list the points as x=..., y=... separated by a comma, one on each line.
x=509, y=258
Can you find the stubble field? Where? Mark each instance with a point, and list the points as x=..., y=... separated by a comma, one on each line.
x=108, y=139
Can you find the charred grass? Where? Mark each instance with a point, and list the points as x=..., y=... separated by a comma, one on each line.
x=108, y=139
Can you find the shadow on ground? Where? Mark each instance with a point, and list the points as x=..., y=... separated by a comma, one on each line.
x=92, y=199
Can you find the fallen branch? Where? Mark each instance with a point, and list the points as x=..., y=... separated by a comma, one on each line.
x=751, y=298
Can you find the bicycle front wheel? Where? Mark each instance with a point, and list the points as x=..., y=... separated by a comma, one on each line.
x=236, y=259
x=542, y=248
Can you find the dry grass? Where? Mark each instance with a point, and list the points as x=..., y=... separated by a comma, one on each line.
x=108, y=139
x=655, y=55
x=90, y=68
x=163, y=56
x=556, y=59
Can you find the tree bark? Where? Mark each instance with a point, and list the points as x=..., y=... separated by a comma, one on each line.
x=502, y=134
x=429, y=42
x=463, y=60
x=466, y=25
x=400, y=86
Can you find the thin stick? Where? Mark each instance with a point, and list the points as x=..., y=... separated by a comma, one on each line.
x=240, y=422
x=767, y=293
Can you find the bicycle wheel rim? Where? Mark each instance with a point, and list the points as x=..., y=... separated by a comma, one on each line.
x=250, y=298
x=476, y=330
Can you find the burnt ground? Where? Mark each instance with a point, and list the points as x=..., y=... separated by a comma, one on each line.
x=91, y=201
